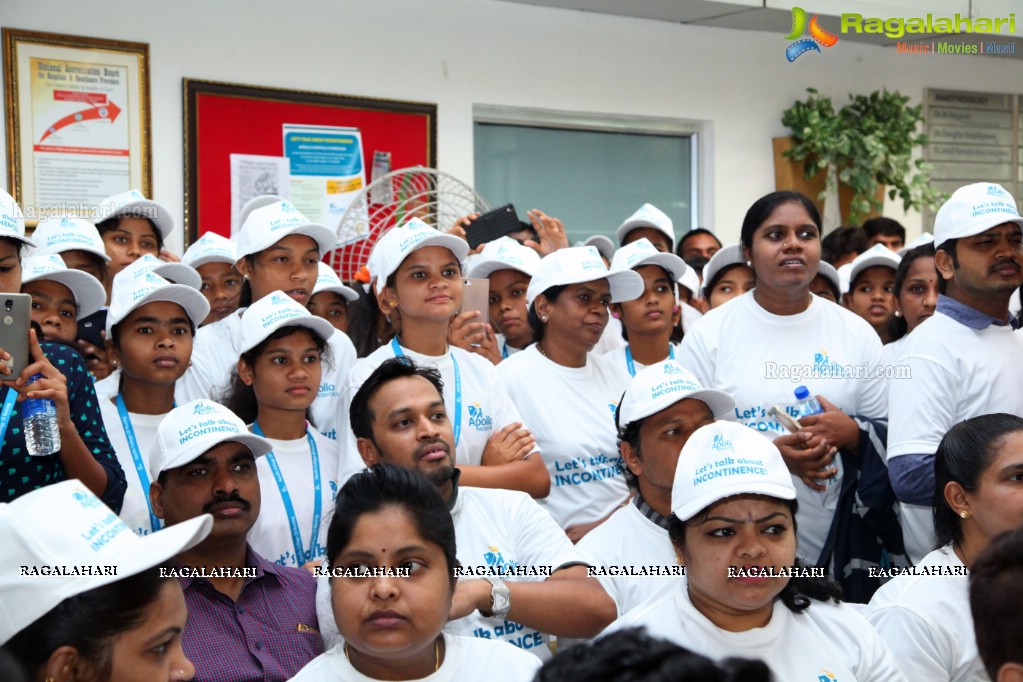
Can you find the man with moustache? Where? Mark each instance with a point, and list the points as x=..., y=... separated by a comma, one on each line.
x=248, y=619
x=967, y=359
x=521, y=579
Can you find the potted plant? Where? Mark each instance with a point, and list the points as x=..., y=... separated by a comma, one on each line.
x=864, y=147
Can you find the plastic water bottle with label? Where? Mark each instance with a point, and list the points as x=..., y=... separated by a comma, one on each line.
x=42, y=436
x=806, y=405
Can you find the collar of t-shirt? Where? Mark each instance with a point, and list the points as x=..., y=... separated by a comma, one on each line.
x=252, y=560
x=649, y=512
x=970, y=317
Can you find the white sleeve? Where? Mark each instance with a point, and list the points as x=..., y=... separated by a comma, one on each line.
x=921, y=409
x=696, y=357
x=922, y=652
x=540, y=541
x=872, y=401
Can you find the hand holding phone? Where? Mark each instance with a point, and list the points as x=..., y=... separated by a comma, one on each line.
x=786, y=420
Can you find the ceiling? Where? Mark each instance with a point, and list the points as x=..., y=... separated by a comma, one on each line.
x=772, y=16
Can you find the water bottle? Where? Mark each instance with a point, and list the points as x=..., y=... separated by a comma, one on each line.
x=42, y=436
x=806, y=404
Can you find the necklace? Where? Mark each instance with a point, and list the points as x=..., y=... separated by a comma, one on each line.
x=539, y=347
x=436, y=654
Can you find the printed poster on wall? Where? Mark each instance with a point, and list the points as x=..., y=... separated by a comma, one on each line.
x=327, y=170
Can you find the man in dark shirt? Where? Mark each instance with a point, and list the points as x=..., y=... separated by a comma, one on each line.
x=248, y=619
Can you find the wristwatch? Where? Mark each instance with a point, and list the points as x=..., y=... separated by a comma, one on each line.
x=500, y=598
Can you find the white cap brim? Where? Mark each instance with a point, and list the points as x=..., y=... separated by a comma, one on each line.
x=348, y=293
x=89, y=293
x=697, y=504
x=147, y=208
x=872, y=262
x=185, y=454
x=456, y=245
x=194, y=303
x=317, y=325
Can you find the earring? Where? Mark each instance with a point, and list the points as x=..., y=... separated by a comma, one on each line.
x=898, y=313
x=749, y=264
x=543, y=318
x=614, y=315
x=676, y=308
x=245, y=277
x=964, y=514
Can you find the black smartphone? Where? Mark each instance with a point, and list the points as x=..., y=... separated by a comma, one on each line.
x=492, y=225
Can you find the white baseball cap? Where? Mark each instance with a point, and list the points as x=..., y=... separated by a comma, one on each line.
x=505, y=254
x=843, y=277
x=136, y=287
x=276, y=310
x=877, y=255
x=250, y=206
x=642, y=252
x=395, y=245
x=605, y=247
x=828, y=270
x=327, y=280
x=269, y=224
x=177, y=273
x=690, y=280
x=210, y=248
x=12, y=220
x=578, y=264
x=724, y=459
x=58, y=235
x=659, y=386
x=722, y=258
x=88, y=291
x=974, y=209
x=65, y=524
x=191, y=429
x=647, y=215
x=134, y=203
x=924, y=238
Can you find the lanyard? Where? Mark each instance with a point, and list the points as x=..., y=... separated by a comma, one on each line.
x=136, y=456
x=398, y=352
x=632, y=365
x=8, y=409
x=301, y=555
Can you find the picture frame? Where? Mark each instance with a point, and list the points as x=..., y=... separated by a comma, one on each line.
x=78, y=121
x=222, y=119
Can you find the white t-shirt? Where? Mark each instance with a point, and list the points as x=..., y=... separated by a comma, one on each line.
x=955, y=373
x=271, y=536
x=486, y=407
x=215, y=355
x=828, y=641
x=917, y=521
x=690, y=316
x=465, y=658
x=926, y=621
x=570, y=411
x=760, y=358
x=135, y=509
x=493, y=528
x=629, y=539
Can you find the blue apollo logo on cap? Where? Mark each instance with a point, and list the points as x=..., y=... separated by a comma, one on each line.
x=65, y=222
x=87, y=500
x=671, y=368
x=996, y=190
x=277, y=299
x=721, y=443
x=202, y=408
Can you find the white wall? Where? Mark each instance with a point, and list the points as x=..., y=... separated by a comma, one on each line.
x=460, y=52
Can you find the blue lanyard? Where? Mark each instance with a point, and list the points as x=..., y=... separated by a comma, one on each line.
x=398, y=352
x=8, y=410
x=504, y=350
x=301, y=555
x=136, y=456
x=632, y=365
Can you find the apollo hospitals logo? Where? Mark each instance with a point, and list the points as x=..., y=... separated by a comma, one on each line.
x=721, y=443
x=818, y=36
x=202, y=408
x=478, y=418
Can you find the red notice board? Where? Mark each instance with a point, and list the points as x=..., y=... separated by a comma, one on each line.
x=223, y=119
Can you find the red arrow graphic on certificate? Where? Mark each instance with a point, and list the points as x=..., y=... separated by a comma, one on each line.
x=106, y=112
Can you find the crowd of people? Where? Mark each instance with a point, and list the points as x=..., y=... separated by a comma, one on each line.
x=651, y=457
